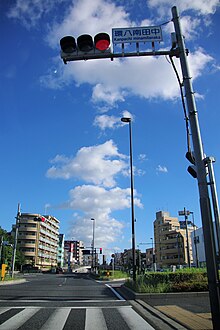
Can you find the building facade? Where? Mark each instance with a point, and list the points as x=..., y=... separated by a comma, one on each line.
x=172, y=248
x=38, y=239
x=73, y=253
x=60, y=252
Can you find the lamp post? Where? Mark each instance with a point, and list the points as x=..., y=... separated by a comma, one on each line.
x=93, y=243
x=186, y=213
x=195, y=240
x=128, y=120
x=15, y=241
x=153, y=256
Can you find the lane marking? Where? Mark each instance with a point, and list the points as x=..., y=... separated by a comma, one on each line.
x=57, y=320
x=115, y=293
x=134, y=320
x=95, y=319
x=19, y=319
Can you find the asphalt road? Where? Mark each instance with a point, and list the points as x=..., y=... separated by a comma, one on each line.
x=64, y=302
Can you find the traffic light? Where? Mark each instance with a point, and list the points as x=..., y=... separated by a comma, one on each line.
x=192, y=168
x=100, y=251
x=40, y=219
x=192, y=171
x=85, y=47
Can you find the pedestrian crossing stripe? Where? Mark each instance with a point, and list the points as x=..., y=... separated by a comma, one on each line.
x=62, y=318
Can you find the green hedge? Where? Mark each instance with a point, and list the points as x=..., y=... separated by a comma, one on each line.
x=179, y=281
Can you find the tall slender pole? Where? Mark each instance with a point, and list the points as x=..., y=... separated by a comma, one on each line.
x=205, y=206
x=212, y=183
x=194, y=238
x=93, y=243
x=15, y=241
x=132, y=205
x=128, y=120
x=187, y=238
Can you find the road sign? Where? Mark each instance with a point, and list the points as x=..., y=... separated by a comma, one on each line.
x=184, y=212
x=136, y=34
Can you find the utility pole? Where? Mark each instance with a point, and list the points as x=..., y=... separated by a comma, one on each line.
x=210, y=250
x=72, y=52
x=15, y=240
x=209, y=161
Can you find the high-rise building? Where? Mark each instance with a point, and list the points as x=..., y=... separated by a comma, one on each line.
x=172, y=247
x=60, y=252
x=38, y=239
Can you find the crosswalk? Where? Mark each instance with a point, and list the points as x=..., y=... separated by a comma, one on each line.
x=70, y=318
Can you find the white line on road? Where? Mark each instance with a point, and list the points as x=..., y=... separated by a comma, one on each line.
x=115, y=292
x=134, y=320
x=61, y=301
x=19, y=319
x=95, y=319
x=57, y=320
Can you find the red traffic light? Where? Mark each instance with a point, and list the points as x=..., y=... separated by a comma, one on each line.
x=40, y=219
x=102, y=41
x=100, y=251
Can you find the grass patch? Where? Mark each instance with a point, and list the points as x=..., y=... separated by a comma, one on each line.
x=179, y=281
x=117, y=274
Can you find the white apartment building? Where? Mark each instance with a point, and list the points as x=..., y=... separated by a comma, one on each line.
x=38, y=238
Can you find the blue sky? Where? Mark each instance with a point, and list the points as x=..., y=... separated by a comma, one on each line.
x=64, y=150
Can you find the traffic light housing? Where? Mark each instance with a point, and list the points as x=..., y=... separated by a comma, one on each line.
x=100, y=251
x=39, y=219
x=192, y=171
x=85, y=47
x=192, y=168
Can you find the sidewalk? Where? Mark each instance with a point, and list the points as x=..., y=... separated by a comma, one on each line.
x=172, y=310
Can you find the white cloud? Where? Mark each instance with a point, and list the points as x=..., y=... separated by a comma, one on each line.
x=203, y=7
x=142, y=157
x=88, y=16
x=97, y=164
x=105, y=121
x=99, y=203
x=162, y=169
x=29, y=12
x=102, y=93
x=112, y=122
x=137, y=76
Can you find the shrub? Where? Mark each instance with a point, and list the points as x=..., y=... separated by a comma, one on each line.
x=170, y=282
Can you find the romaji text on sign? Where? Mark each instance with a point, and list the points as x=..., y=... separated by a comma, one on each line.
x=136, y=34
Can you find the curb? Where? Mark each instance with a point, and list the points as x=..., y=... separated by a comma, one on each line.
x=155, y=317
x=13, y=282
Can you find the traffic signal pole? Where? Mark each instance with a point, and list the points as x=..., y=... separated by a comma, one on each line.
x=205, y=205
x=68, y=53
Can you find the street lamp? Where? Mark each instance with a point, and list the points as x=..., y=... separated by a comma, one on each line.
x=186, y=213
x=195, y=239
x=93, y=243
x=15, y=241
x=153, y=256
x=128, y=120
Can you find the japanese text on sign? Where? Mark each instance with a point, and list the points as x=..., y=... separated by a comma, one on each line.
x=137, y=34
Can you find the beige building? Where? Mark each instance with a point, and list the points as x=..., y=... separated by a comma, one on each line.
x=38, y=239
x=171, y=245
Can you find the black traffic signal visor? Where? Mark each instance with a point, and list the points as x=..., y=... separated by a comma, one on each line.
x=68, y=44
x=85, y=43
